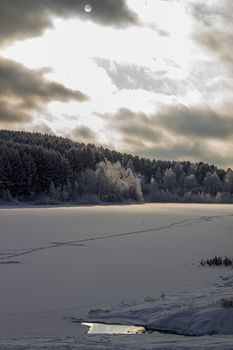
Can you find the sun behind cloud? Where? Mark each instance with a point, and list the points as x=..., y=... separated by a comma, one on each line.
x=143, y=56
x=88, y=8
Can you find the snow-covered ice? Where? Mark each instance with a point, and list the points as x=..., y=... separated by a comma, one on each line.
x=138, y=262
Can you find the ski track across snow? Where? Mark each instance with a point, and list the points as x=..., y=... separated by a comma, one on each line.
x=6, y=255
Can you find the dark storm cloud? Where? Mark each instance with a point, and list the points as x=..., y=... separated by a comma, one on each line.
x=196, y=122
x=21, y=19
x=24, y=91
x=131, y=76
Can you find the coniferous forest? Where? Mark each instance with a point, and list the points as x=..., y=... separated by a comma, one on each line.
x=45, y=169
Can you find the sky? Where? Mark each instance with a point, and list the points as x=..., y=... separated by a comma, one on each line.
x=148, y=77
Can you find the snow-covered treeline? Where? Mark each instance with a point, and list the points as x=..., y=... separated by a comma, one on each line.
x=44, y=168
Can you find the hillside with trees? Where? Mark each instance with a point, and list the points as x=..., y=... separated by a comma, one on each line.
x=45, y=169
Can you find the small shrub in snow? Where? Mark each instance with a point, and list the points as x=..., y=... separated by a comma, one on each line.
x=217, y=261
x=227, y=302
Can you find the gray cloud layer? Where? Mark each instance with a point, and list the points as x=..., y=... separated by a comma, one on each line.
x=20, y=19
x=214, y=27
x=24, y=91
x=195, y=122
x=133, y=127
x=83, y=134
x=195, y=152
x=176, y=132
x=178, y=120
x=131, y=76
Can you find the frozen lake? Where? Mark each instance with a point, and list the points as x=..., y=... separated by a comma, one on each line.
x=58, y=263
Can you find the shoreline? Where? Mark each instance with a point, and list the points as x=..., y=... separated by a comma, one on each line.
x=104, y=204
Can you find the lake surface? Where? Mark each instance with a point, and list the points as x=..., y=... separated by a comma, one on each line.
x=59, y=263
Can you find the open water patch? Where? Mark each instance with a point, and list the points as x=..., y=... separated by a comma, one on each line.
x=103, y=328
x=108, y=328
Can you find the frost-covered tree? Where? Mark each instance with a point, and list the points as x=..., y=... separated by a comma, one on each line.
x=212, y=183
x=87, y=182
x=134, y=185
x=154, y=190
x=169, y=180
x=117, y=183
x=228, y=182
x=190, y=183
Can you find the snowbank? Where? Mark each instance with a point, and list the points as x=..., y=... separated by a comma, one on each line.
x=191, y=313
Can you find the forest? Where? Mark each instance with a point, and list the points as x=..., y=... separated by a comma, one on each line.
x=38, y=168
